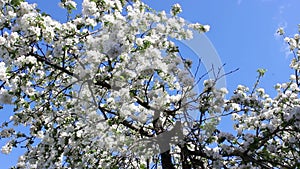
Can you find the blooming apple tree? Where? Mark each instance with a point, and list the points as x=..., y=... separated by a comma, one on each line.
x=109, y=88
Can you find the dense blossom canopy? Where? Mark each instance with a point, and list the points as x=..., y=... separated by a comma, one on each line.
x=108, y=87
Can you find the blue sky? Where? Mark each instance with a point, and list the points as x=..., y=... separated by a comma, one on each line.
x=242, y=31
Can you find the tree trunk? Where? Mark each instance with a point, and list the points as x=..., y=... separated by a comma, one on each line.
x=166, y=160
x=184, y=158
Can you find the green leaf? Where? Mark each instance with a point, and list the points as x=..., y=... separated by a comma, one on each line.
x=16, y=2
x=132, y=93
x=142, y=166
x=261, y=71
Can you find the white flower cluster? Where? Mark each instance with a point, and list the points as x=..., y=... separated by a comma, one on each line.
x=176, y=9
x=103, y=81
x=104, y=76
x=6, y=149
x=3, y=76
x=5, y=97
x=68, y=4
x=199, y=27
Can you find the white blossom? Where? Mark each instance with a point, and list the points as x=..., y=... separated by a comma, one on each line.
x=5, y=97
x=2, y=40
x=113, y=77
x=6, y=149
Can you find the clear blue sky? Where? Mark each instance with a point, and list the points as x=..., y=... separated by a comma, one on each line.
x=242, y=31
